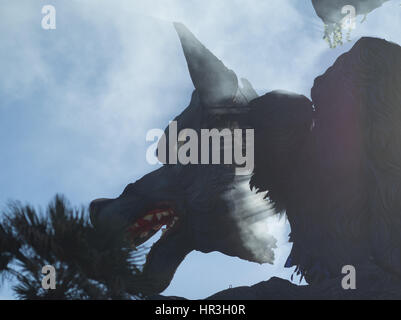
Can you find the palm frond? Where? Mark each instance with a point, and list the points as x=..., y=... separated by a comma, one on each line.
x=90, y=263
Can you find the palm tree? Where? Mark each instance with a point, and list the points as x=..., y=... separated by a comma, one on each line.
x=90, y=263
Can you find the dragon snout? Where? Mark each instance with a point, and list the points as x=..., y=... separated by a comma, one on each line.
x=95, y=208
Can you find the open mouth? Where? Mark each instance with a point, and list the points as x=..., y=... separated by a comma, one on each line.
x=150, y=223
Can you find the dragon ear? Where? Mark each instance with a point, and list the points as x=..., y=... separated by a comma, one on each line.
x=216, y=84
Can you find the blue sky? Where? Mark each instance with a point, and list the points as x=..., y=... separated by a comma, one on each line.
x=76, y=102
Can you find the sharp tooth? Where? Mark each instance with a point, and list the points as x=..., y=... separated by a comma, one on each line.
x=165, y=213
x=159, y=216
x=148, y=217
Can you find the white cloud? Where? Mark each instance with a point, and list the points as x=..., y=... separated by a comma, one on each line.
x=92, y=88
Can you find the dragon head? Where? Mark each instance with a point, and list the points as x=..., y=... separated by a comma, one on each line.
x=197, y=207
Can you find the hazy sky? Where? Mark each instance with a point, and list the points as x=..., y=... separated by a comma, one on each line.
x=76, y=102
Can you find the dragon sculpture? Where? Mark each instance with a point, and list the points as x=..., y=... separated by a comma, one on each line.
x=199, y=207
x=331, y=164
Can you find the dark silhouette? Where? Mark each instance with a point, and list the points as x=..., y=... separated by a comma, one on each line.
x=204, y=207
x=338, y=183
x=333, y=165
x=89, y=263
